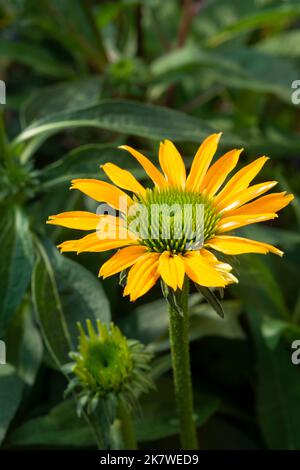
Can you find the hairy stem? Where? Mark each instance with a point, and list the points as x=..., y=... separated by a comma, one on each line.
x=127, y=428
x=179, y=339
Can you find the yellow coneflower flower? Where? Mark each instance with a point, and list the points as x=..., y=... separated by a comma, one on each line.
x=228, y=205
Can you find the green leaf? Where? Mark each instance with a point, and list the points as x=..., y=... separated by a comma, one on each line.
x=204, y=321
x=128, y=117
x=16, y=261
x=241, y=68
x=72, y=25
x=278, y=391
x=31, y=350
x=67, y=96
x=85, y=162
x=24, y=343
x=274, y=329
x=216, y=16
x=284, y=44
x=49, y=310
x=64, y=293
x=34, y=56
x=10, y=397
x=256, y=19
x=81, y=293
x=258, y=286
x=60, y=428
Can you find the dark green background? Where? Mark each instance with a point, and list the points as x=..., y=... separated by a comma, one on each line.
x=82, y=78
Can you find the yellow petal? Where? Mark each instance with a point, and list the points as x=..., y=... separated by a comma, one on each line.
x=121, y=260
x=106, y=230
x=171, y=269
x=103, y=192
x=219, y=171
x=151, y=170
x=93, y=245
x=209, y=255
x=229, y=278
x=270, y=203
x=109, y=235
x=67, y=246
x=123, y=178
x=233, y=201
x=241, y=179
x=201, y=162
x=223, y=268
x=233, y=222
x=79, y=220
x=142, y=276
x=172, y=164
x=238, y=245
x=201, y=271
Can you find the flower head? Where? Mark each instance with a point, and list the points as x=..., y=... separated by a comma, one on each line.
x=169, y=230
x=107, y=365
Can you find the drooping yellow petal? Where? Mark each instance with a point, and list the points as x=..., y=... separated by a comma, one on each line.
x=122, y=260
x=142, y=276
x=233, y=201
x=219, y=171
x=103, y=192
x=270, y=203
x=151, y=170
x=172, y=164
x=228, y=277
x=223, y=268
x=241, y=179
x=171, y=269
x=209, y=255
x=201, y=162
x=123, y=178
x=201, y=271
x=79, y=220
x=237, y=245
x=233, y=222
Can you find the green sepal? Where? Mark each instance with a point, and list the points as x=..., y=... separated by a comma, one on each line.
x=211, y=298
x=123, y=277
x=172, y=297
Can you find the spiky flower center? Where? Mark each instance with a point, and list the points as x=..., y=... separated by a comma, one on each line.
x=173, y=220
x=109, y=364
x=104, y=360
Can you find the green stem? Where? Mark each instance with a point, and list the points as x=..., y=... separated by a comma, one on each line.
x=127, y=428
x=179, y=339
x=95, y=427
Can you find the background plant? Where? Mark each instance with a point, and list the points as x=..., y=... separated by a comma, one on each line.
x=83, y=77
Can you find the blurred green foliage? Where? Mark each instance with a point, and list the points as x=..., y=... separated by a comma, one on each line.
x=83, y=77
